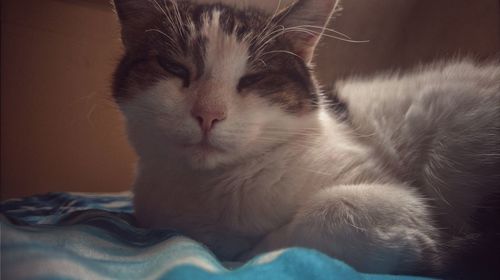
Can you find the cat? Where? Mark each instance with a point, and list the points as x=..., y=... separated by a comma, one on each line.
x=240, y=148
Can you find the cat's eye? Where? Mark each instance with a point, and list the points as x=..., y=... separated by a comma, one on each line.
x=249, y=80
x=175, y=69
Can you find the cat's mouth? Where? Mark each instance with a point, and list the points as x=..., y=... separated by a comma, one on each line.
x=204, y=146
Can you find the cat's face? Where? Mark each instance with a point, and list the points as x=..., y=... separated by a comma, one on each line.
x=212, y=84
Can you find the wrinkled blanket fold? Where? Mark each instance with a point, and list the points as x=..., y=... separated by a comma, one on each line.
x=92, y=236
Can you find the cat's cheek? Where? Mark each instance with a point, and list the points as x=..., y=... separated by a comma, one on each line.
x=241, y=140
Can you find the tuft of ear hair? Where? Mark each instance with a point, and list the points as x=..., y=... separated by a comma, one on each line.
x=304, y=22
x=134, y=16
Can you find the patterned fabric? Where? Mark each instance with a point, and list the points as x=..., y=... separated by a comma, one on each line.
x=90, y=236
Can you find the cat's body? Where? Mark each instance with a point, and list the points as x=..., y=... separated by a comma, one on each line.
x=383, y=187
x=394, y=138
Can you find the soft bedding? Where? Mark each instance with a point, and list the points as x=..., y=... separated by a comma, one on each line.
x=91, y=236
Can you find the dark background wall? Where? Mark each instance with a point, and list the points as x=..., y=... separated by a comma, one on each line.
x=60, y=131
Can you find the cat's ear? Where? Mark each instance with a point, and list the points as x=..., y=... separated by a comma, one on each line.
x=304, y=22
x=134, y=16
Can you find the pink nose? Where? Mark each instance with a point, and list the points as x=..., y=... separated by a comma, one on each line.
x=208, y=118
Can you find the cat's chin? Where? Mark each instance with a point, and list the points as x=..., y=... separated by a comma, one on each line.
x=206, y=157
x=206, y=162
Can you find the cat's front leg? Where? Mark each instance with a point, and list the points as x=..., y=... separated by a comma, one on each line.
x=375, y=228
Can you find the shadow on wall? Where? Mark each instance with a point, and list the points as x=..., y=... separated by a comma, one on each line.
x=405, y=33
x=62, y=132
x=60, y=128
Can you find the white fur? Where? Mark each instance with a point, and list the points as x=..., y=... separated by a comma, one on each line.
x=310, y=180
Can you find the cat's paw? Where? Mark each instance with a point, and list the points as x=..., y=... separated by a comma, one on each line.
x=361, y=225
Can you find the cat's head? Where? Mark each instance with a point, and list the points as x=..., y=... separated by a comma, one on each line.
x=213, y=84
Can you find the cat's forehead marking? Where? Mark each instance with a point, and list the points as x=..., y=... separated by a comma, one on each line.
x=219, y=45
x=225, y=55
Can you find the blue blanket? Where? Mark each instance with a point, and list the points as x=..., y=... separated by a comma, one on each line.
x=90, y=236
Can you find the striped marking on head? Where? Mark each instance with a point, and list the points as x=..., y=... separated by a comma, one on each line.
x=222, y=44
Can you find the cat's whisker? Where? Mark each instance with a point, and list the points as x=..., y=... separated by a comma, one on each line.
x=162, y=33
x=271, y=19
x=178, y=17
x=268, y=39
x=166, y=11
x=293, y=133
x=295, y=140
x=325, y=29
x=316, y=33
x=281, y=30
x=276, y=135
x=290, y=144
x=345, y=40
x=281, y=51
x=158, y=7
x=278, y=129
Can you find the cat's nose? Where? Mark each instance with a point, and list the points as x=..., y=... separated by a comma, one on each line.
x=208, y=118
